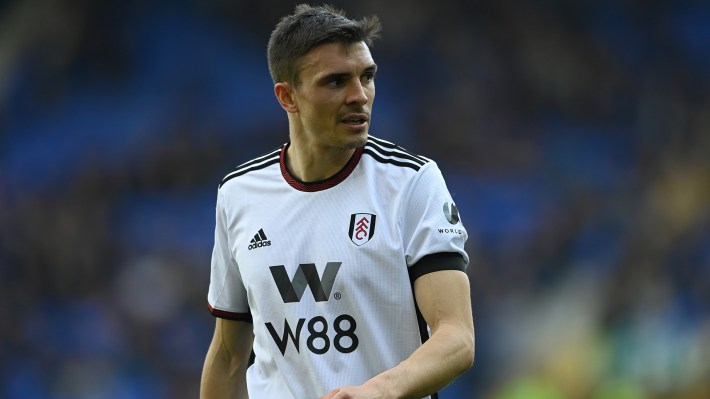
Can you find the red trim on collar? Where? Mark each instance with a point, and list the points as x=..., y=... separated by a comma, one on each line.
x=322, y=184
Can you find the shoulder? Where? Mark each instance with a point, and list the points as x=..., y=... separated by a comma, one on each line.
x=259, y=163
x=393, y=156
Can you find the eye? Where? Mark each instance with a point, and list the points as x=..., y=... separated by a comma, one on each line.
x=368, y=77
x=336, y=82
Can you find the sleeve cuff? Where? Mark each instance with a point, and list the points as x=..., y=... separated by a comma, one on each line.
x=437, y=262
x=223, y=314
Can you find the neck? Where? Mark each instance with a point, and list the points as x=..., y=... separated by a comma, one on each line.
x=312, y=163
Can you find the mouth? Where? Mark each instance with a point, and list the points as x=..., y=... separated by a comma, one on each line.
x=355, y=120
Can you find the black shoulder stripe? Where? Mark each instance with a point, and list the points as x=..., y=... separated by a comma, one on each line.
x=403, y=163
x=258, y=160
x=397, y=148
x=395, y=154
x=245, y=170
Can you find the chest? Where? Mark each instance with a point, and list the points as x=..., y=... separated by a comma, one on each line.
x=345, y=234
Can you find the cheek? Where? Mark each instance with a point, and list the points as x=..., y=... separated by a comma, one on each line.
x=370, y=91
x=319, y=114
x=325, y=108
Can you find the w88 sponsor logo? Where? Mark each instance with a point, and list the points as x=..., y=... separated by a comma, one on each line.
x=318, y=341
x=291, y=290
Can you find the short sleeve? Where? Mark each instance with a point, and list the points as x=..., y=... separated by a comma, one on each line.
x=434, y=236
x=227, y=296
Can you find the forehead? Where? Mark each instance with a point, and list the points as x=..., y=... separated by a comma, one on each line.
x=336, y=58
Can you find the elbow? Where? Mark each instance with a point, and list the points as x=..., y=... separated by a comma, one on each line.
x=468, y=352
x=461, y=350
x=469, y=358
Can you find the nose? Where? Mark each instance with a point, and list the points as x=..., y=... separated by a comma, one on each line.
x=357, y=94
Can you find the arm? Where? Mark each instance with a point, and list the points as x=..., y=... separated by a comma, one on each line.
x=445, y=302
x=224, y=372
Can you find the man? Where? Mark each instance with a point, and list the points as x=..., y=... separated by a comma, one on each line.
x=334, y=253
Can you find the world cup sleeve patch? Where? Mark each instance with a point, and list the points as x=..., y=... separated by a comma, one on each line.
x=362, y=227
x=451, y=212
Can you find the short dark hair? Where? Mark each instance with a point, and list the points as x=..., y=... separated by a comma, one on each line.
x=308, y=27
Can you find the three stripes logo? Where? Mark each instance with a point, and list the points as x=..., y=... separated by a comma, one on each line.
x=259, y=240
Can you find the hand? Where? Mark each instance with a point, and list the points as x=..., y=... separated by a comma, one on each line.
x=358, y=392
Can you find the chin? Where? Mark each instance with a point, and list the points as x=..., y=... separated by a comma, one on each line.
x=357, y=140
x=349, y=138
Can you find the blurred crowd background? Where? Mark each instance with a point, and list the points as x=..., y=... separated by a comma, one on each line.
x=574, y=135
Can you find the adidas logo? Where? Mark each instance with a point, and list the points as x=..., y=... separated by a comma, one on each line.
x=259, y=240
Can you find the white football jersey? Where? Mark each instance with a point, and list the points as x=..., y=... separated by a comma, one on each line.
x=325, y=270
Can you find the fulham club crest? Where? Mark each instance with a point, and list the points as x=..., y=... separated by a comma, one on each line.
x=362, y=227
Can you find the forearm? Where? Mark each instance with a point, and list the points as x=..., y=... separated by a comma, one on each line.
x=444, y=300
x=221, y=377
x=224, y=371
x=447, y=354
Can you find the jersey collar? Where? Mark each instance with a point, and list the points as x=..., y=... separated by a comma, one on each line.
x=322, y=184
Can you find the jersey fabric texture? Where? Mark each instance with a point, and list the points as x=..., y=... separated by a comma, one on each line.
x=325, y=270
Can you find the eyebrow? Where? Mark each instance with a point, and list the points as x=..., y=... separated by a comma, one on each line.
x=343, y=75
x=372, y=68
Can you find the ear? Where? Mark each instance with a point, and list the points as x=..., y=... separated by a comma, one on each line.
x=284, y=93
